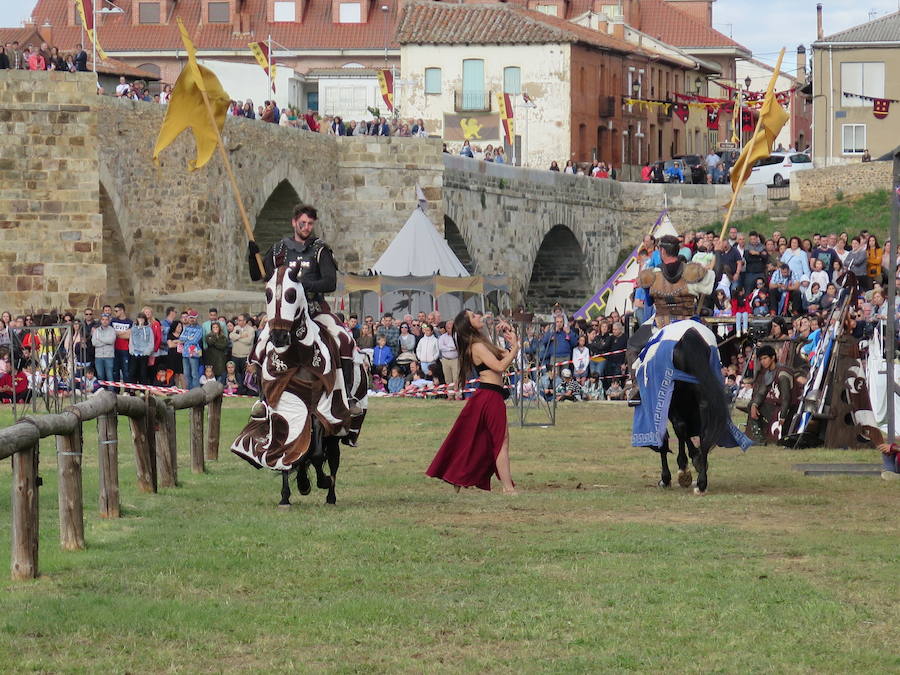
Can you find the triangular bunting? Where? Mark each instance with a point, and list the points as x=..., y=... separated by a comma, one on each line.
x=880, y=108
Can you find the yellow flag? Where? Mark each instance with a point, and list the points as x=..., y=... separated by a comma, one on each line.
x=772, y=118
x=86, y=11
x=187, y=109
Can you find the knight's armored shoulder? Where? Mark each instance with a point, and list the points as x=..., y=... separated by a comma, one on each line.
x=693, y=273
x=647, y=277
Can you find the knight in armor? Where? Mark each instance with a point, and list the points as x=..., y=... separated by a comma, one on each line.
x=676, y=287
x=318, y=275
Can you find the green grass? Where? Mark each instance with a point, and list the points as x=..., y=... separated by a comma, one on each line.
x=591, y=568
x=870, y=212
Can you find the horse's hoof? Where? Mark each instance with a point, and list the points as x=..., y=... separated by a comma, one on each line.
x=284, y=507
x=699, y=492
x=331, y=500
x=685, y=478
x=324, y=483
x=663, y=484
x=303, y=484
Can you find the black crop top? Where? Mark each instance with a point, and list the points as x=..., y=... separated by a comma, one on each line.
x=481, y=367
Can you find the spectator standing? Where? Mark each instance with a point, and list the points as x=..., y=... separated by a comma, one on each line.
x=140, y=347
x=796, y=258
x=558, y=342
x=87, y=345
x=16, y=59
x=103, y=337
x=241, y=344
x=191, y=349
x=81, y=59
x=216, y=350
x=36, y=61
x=449, y=354
x=207, y=325
x=755, y=261
x=382, y=355
x=873, y=258
x=122, y=325
x=857, y=263
x=4, y=59
x=173, y=360
x=390, y=331
x=427, y=351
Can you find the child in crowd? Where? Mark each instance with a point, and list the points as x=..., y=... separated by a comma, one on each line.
x=89, y=383
x=230, y=378
x=396, y=382
x=593, y=389
x=382, y=355
x=207, y=376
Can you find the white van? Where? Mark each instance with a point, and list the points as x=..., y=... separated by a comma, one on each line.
x=777, y=168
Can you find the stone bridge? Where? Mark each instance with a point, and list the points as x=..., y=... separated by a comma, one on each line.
x=88, y=217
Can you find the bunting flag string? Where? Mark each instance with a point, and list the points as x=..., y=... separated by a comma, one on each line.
x=783, y=97
x=880, y=106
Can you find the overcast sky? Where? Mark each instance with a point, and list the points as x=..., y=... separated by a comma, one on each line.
x=764, y=26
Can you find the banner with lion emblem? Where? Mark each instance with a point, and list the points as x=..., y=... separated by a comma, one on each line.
x=461, y=127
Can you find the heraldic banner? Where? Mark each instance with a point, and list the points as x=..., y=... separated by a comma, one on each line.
x=461, y=127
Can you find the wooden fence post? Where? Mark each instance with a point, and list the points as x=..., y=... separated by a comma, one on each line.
x=71, y=498
x=150, y=435
x=108, y=433
x=171, y=432
x=161, y=434
x=25, y=513
x=214, y=424
x=141, y=453
x=197, y=463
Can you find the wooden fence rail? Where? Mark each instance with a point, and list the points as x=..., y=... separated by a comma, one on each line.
x=152, y=423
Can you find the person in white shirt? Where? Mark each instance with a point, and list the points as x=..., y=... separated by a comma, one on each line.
x=449, y=354
x=122, y=88
x=427, y=351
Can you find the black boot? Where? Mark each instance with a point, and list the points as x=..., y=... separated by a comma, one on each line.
x=347, y=369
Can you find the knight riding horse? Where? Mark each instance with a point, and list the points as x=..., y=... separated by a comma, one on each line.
x=676, y=367
x=313, y=380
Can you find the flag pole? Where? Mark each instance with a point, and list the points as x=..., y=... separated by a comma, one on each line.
x=245, y=219
x=753, y=140
x=96, y=36
x=269, y=69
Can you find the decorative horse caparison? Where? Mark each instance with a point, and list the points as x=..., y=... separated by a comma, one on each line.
x=303, y=413
x=689, y=392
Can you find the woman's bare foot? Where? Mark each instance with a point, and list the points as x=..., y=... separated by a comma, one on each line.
x=510, y=491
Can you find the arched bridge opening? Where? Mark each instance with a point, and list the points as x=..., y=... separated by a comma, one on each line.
x=274, y=220
x=559, y=273
x=458, y=244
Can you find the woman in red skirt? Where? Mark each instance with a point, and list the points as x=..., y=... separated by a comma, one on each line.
x=478, y=444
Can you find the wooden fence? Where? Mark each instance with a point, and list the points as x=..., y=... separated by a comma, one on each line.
x=152, y=423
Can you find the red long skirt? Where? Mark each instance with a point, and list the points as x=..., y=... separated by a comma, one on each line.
x=468, y=455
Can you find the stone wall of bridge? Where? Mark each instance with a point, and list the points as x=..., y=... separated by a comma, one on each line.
x=555, y=234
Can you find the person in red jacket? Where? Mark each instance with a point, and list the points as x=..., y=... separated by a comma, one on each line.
x=740, y=310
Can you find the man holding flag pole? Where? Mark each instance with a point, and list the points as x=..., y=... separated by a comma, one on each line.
x=772, y=118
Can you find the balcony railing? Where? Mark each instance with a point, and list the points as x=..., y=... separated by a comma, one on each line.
x=472, y=101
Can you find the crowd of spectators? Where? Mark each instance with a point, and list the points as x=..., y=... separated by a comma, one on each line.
x=13, y=56
x=107, y=345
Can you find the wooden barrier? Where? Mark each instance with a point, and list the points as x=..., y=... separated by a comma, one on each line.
x=152, y=423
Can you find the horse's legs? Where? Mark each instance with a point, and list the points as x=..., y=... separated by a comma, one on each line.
x=285, y=489
x=665, y=478
x=333, y=455
x=700, y=455
x=503, y=470
x=303, y=484
x=684, y=473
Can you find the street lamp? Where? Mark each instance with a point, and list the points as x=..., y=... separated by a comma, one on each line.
x=698, y=85
x=384, y=10
x=747, y=82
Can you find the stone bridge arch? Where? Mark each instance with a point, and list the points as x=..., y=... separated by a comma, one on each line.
x=274, y=199
x=116, y=244
x=559, y=271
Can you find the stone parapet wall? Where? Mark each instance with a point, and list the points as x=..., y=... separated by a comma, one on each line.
x=816, y=187
x=50, y=224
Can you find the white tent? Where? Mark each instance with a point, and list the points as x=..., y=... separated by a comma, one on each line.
x=419, y=250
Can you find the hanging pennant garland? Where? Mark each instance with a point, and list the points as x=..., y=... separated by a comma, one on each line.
x=747, y=120
x=712, y=119
x=880, y=106
x=682, y=111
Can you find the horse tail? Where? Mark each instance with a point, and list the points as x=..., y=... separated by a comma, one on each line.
x=694, y=356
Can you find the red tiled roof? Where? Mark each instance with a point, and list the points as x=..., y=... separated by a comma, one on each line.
x=317, y=31
x=669, y=24
x=430, y=22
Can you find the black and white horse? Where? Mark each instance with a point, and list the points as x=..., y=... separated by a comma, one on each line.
x=680, y=380
x=304, y=411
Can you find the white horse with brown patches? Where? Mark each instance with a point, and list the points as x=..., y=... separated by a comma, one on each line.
x=304, y=410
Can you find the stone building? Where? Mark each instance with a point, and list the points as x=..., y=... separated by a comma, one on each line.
x=457, y=58
x=852, y=69
x=313, y=34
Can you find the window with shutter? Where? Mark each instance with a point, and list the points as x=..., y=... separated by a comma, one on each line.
x=148, y=12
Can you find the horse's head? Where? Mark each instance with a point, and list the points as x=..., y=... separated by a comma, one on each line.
x=285, y=303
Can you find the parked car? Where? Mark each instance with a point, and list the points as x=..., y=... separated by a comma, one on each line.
x=777, y=168
x=694, y=168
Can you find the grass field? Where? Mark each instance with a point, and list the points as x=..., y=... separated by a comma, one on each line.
x=591, y=568
x=870, y=212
